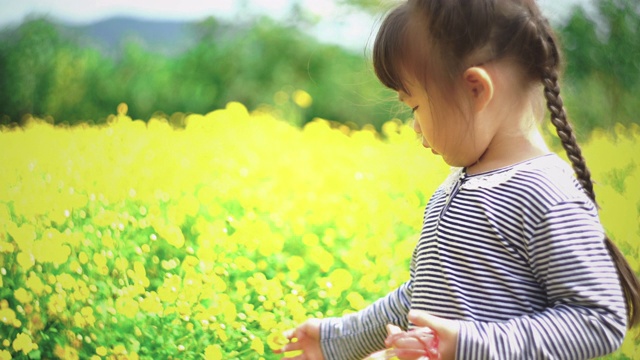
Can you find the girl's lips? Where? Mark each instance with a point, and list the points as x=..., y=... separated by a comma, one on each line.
x=426, y=146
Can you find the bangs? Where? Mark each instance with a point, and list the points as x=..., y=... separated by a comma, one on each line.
x=389, y=48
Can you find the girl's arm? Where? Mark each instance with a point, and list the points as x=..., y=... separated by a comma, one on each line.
x=586, y=311
x=357, y=335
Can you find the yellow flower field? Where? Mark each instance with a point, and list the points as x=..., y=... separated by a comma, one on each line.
x=144, y=241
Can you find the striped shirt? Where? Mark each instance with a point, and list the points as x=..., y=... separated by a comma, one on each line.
x=517, y=255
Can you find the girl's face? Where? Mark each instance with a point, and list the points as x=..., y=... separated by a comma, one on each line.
x=486, y=121
x=449, y=135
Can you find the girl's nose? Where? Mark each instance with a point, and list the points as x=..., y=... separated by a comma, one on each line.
x=416, y=126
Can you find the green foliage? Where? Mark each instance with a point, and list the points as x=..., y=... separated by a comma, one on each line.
x=261, y=63
x=48, y=74
x=603, y=70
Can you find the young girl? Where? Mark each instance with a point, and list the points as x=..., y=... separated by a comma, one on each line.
x=512, y=261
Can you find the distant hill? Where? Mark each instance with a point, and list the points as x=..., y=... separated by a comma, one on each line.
x=165, y=37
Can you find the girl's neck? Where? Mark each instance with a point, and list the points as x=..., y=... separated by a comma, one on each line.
x=508, y=151
x=517, y=138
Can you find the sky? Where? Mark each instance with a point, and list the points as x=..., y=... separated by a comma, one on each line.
x=353, y=29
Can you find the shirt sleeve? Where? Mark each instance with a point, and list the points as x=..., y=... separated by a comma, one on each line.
x=586, y=311
x=357, y=335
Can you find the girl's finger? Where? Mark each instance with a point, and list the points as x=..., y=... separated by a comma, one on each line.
x=292, y=346
x=290, y=334
x=408, y=343
x=391, y=331
x=406, y=354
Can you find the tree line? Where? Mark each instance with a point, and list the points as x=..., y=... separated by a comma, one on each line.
x=47, y=73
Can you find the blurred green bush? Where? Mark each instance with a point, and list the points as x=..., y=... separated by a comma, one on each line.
x=47, y=73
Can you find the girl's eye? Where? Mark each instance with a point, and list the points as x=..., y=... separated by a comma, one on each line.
x=414, y=109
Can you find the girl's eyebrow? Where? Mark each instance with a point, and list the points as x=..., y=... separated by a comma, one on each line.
x=401, y=97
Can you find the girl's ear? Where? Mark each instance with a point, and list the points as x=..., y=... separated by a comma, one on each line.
x=479, y=86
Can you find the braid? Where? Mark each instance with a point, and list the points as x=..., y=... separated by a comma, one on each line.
x=565, y=131
x=550, y=63
x=628, y=279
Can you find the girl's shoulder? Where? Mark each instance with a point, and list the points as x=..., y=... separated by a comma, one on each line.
x=549, y=174
x=545, y=177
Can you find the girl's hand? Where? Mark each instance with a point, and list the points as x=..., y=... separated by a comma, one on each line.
x=308, y=341
x=446, y=330
x=420, y=343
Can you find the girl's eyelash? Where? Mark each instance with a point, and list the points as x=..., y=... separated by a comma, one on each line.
x=414, y=109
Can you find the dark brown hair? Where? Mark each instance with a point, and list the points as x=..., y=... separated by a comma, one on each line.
x=447, y=37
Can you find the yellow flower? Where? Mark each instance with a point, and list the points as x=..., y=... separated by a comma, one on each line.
x=66, y=281
x=57, y=304
x=244, y=264
x=356, y=300
x=7, y=316
x=323, y=258
x=26, y=260
x=24, y=236
x=173, y=235
x=271, y=244
x=52, y=249
x=101, y=262
x=6, y=247
x=340, y=279
x=222, y=334
x=276, y=340
x=295, y=263
x=59, y=352
x=267, y=320
x=35, y=284
x=83, y=257
x=22, y=296
x=258, y=346
x=228, y=310
x=219, y=285
x=169, y=290
x=310, y=239
x=23, y=343
x=151, y=303
x=127, y=307
x=87, y=313
x=81, y=291
x=139, y=274
x=120, y=349
x=70, y=354
x=206, y=254
x=108, y=242
x=101, y=350
x=213, y=352
x=5, y=355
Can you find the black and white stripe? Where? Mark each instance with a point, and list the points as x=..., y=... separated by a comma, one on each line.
x=517, y=255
